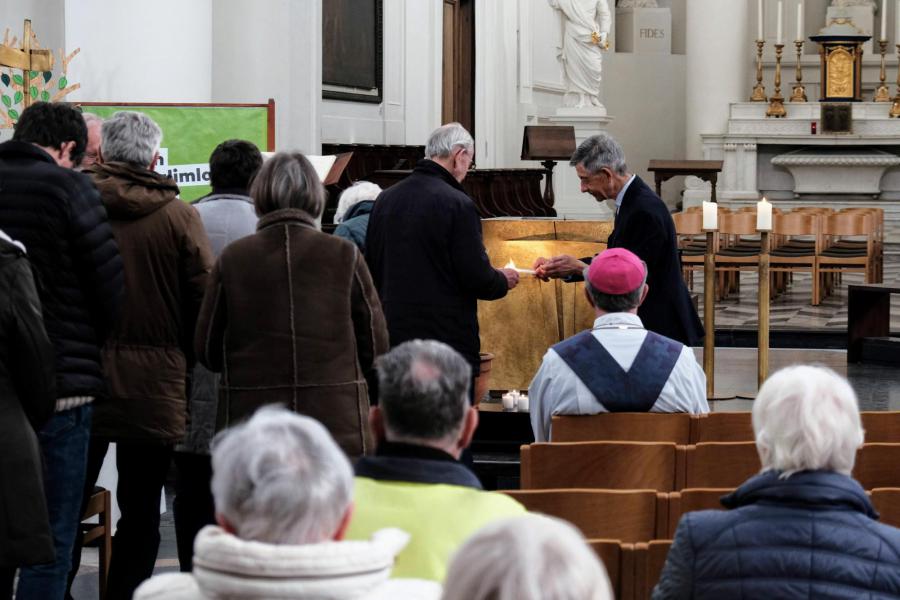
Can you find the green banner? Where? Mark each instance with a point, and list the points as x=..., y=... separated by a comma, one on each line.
x=191, y=133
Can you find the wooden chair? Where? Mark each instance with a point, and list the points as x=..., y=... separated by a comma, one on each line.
x=887, y=503
x=689, y=500
x=738, y=252
x=840, y=254
x=100, y=505
x=719, y=464
x=691, y=243
x=622, y=427
x=624, y=515
x=881, y=426
x=618, y=558
x=723, y=427
x=649, y=560
x=877, y=466
x=798, y=241
x=605, y=465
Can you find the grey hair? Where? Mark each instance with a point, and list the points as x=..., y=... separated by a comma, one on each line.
x=353, y=195
x=599, y=151
x=280, y=478
x=613, y=303
x=807, y=417
x=288, y=180
x=532, y=557
x=446, y=137
x=423, y=390
x=130, y=137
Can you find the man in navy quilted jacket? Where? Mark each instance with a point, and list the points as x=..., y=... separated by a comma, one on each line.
x=803, y=528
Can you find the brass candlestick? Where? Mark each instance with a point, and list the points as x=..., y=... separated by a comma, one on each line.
x=762, y=362
x=776, y=102
x=799, y=94
x=882, y=94
x=759, y=90
x=709, y=314
x=895, y=107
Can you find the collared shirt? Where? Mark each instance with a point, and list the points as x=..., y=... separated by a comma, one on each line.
x=395, y=461
x=557, y=390
x=621, y=195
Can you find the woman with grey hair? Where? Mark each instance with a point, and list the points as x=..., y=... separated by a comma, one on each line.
x=533, y=557
x=353, y=209
x=290, y=314
x=284, y=495
x=802, y=528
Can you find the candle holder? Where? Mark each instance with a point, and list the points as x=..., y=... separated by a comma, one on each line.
x=759, y=90
x=799, y=94
x=762, y=362
x=882, y=94
x=709, y=313
x=895, y=107
x=776, y=101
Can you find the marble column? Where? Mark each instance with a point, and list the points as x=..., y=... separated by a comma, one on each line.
x=719, y=56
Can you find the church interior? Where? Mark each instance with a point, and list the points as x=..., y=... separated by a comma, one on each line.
x=721, y=107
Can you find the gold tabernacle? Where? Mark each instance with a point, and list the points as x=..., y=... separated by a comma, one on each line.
x=535, y=315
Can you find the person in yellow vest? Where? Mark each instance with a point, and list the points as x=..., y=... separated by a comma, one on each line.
x=415, y=481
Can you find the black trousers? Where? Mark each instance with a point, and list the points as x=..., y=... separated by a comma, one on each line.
x=193, y=505
x=142, y=469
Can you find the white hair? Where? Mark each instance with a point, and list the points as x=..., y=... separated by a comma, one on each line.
x=532, y=557
x=280, y=478
x=807, y=417
x=353, y=195
x=130, y=137
x=446, y=137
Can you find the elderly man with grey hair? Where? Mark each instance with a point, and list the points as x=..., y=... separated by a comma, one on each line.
x=415, y=481
x=803, y=527
x=92, y=150
x=644, y=226
x=426, y=254
x=284, y=495
x=617, y=365
x=166, y=258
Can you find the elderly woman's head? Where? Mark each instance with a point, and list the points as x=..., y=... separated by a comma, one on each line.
x=353, y=195
x=279, y=478
x=288, y=180
x=805, y=418
x=532, y=557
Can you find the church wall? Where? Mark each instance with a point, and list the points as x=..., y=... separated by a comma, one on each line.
x=135, y=51
x=47, y=20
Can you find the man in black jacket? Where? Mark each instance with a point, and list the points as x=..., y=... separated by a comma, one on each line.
x=426, y=254
x=644, y=226
x=56, y=213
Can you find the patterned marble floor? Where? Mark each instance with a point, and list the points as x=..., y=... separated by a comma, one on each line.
x=792, y=309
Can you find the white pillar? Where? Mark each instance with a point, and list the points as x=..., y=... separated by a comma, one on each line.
x=719, y=53
x=272, y=52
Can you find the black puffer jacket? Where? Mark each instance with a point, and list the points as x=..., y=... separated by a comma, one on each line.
x=26, y=401
x=56, y=213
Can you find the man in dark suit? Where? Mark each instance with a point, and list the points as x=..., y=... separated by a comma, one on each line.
x=644, y=226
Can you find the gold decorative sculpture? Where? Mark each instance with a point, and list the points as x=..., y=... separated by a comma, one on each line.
x=799, y=94
x=759, y=90
x=36, y=80
x=840, y=53
x=776, y=102
x=839, y=82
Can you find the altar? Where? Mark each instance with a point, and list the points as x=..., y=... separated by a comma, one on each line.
x=793, y=162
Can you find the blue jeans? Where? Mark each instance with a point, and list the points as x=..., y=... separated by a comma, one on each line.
x=64, y=444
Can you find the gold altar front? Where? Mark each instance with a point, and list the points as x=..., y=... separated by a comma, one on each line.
x=535, y=315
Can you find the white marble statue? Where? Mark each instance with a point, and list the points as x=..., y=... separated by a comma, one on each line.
x=846, y=3
x=637, y=4
x=587, y=24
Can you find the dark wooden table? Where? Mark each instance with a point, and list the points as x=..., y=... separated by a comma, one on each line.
x=707, y=170
x=868, y=315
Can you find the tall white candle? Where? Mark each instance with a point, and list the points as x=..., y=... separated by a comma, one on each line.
x=710, y=215
x=800, y=21
x=883, y=20
x=780, y=19
x=764, y=215
x=759, y=19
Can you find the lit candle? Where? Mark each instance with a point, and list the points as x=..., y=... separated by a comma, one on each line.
x=710, y=216
x=764, y=215
x=509, y=403
x=800, y=21
x=883, y=19
x=778, y=35
x=522, y=402
x=759, y=19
